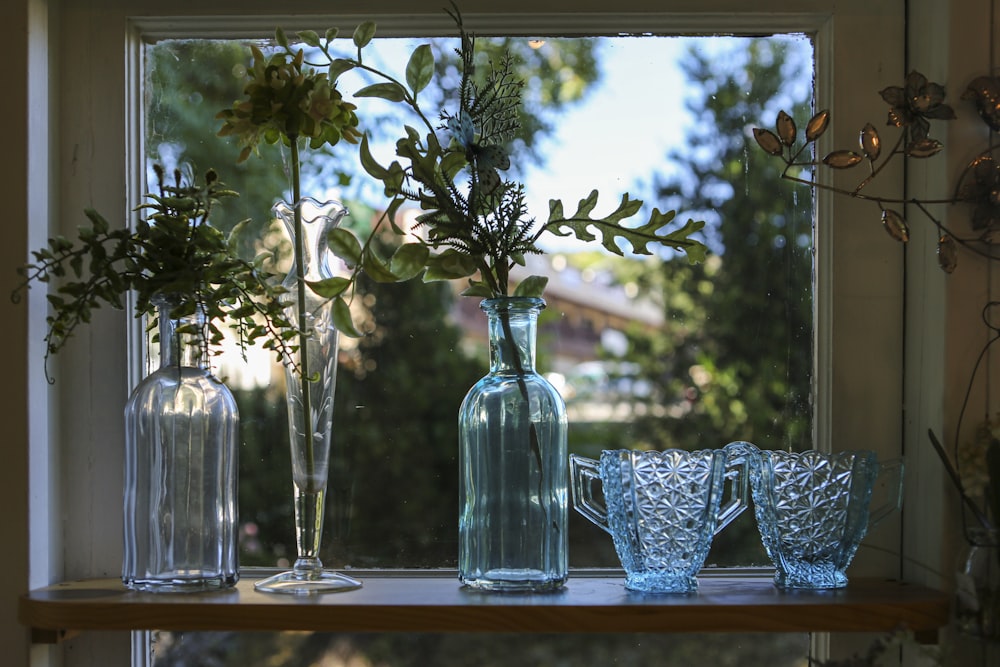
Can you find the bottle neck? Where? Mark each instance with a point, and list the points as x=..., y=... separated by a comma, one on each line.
x=513, y=326
x=182, y=339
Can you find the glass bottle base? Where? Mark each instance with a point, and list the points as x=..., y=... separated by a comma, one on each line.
x=179, y=583
x=513, y=581
x=295, y=583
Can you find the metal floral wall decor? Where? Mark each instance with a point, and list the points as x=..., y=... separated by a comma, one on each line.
x=911, y=108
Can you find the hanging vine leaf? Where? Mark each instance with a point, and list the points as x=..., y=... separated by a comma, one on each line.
x=871, y=145
x=364, y=34
x=342, y=319
x=786, y=128
x=895, y=225
x=387, y=91
x=768, y=140
x=409, y=260
x=420, y=68
x=817, y=125
x=842, y=159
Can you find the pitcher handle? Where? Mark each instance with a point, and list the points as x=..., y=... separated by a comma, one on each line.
x=893, y=468
x=738, y=456
x=584, y=473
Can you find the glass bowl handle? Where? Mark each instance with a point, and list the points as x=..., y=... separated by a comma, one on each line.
x=738, y=455
x=585, y=473
x=892, y=471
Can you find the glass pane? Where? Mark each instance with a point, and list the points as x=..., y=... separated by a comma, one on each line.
x=648, y=353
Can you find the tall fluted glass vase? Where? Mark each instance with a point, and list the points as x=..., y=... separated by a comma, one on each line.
x=310, y=385
x=181, y=435
x=513, y=463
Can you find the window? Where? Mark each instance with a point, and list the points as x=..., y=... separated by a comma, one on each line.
x=98, y=98
x=737, y=364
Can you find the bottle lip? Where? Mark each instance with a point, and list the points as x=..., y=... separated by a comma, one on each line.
x=507, y=303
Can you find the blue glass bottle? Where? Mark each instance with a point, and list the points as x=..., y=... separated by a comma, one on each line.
x=513, y=463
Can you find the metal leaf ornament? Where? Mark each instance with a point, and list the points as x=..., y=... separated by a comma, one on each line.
x=947, y=253
x=914, y=104
x=984, y=91
x=768, y=140
x=871, y=145
x=786, y=128
x=983, y=191
x=842, y=159
x=911, y=108
x=895, y=225
x=817, y=125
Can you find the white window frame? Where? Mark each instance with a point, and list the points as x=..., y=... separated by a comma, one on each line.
x=83, y=130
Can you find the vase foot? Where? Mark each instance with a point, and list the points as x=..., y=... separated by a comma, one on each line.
x=294, y=583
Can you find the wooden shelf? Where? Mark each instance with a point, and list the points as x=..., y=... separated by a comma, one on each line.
x=421, y=603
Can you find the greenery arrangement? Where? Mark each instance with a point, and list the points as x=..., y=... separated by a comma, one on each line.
x=172, y=251
x=475, y=224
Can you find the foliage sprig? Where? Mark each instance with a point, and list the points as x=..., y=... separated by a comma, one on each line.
x=474, y=223
x=172, y=252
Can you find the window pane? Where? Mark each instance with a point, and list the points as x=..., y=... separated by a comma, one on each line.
x=649, y=354
x=293, y=649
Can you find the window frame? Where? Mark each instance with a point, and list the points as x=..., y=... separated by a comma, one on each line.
x=76, y=425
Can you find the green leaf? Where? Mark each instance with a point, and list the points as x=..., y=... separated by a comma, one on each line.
x=478, y=288
x=310, y=37
x=331, y=34
x=342, y=319
x=345, y=245
x=531, y=286
x=280, y=37
x=363, y=34
x=409, y=260
x=449, y=265
x=420, y=68
x=369, y=163
x=612, y=232
x=331, y=287
x=337, y=67
x=386, y=91
x=97, y=220
x=377, y=269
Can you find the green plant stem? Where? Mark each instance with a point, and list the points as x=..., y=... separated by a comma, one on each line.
x=300, y=288
x=533, y=442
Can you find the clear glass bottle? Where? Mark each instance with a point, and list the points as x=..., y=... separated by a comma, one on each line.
x=513, y=463
x=181, y=436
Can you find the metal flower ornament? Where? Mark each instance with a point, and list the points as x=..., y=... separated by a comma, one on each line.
x=912, y=107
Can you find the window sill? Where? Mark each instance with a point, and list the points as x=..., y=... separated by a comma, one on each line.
x=427, y=602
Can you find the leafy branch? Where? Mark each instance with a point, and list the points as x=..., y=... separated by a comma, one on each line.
x=173, y=251
x=474, y=222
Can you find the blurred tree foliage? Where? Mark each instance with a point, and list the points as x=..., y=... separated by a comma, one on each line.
x=735, y=359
